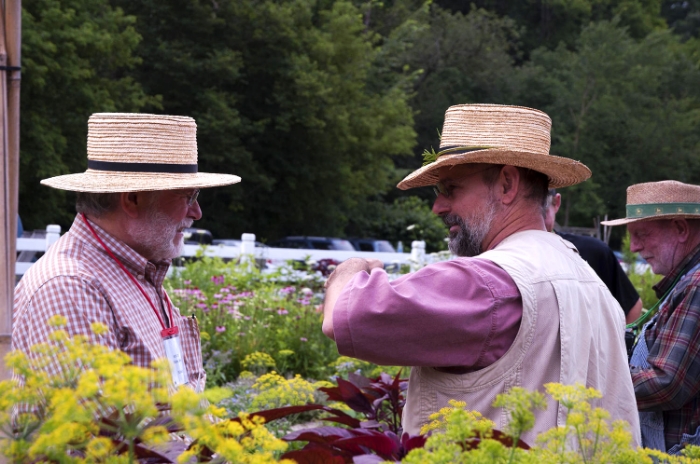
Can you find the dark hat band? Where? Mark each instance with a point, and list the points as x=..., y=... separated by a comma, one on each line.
x=143, y=167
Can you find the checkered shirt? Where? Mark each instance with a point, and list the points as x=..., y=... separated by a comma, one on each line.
x=77, y=279
x=672, y=384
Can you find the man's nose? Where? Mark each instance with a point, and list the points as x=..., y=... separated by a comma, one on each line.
x=194, y=211
x=635, y=245
x=441, y=205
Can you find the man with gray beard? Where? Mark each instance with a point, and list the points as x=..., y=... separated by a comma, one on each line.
x=137, y=196
x=517, y=308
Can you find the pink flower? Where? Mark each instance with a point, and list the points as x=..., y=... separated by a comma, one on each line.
x=303, y=339
x=220, y=328
x=282, y=312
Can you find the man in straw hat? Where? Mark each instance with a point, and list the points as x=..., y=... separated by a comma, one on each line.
x=663, y=219
x=137, y=196
x=518, y=308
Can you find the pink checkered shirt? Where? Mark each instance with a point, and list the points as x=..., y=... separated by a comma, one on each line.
x=77, y=279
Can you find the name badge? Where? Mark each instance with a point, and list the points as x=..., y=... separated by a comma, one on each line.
x=173, y=351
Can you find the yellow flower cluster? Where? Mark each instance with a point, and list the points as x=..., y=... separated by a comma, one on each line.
x=96, y=407
x=275, y=391
x=587, y=438
x=258, y=362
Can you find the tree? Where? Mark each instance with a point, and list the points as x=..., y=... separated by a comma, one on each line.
x=627, y=109
x=75, y=54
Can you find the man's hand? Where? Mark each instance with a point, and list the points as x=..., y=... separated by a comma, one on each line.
x=337, y=281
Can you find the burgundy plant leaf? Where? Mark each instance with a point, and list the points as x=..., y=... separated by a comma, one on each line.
x=370, y=424
x=319, y=434
x=278, y=413
x=507, y=440
x=410, y=442
x=381, y=444
x=313, y=456
x=367, y=459
x=345, y=420
x=350, y=395
x=360, y=381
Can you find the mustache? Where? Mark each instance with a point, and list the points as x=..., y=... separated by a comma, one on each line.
x=452, y=220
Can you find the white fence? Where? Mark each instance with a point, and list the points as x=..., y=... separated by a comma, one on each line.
x=28, y=248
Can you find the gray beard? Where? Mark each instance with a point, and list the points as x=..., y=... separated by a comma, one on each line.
x=156, y=234
x=472, y=231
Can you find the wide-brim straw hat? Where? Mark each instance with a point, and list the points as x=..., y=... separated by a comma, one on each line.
x=498, y=134
x=131, y=152
x=667, y=199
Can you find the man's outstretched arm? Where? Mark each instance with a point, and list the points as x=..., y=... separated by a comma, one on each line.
x=337, y=281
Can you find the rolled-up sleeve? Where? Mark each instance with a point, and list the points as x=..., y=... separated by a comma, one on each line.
x=464, y=312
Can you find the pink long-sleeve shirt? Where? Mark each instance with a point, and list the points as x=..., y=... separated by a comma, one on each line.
x=464, y=312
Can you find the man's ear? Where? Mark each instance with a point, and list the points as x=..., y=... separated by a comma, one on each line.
x=131, y=203
x=682, y=229
x=508, y=184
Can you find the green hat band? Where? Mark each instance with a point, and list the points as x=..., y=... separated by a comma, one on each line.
x=661, y=209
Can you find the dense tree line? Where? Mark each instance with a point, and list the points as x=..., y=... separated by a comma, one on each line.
x=321, y=106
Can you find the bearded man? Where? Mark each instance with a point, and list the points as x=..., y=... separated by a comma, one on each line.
x=137, y=196
x=518, y=308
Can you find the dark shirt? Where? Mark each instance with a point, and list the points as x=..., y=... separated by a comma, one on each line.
x=672, y=383
x=604, y=262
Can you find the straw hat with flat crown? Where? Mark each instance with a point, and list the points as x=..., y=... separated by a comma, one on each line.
x=130, y=152
x=666, y=199
x=498, y=134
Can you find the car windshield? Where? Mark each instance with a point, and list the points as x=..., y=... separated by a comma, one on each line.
x=339, y=244
x=385, y=246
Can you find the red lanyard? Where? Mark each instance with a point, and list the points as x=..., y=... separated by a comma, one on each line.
x=166, y=331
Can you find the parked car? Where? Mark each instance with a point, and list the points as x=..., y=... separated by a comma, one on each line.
x=313, y=243
x=372, y=244
x=194, y=236
x=234, y=242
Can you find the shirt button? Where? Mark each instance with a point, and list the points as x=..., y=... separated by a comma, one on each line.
x=140, y=277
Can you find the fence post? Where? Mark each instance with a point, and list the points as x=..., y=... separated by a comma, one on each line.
x=53, y=233
x=417, y=255
x=248, y=249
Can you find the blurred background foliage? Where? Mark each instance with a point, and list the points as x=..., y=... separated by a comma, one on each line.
x=322, y=106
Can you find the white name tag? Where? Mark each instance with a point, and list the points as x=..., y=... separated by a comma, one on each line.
x=173, y=351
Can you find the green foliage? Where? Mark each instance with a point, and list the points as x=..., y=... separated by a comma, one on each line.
x=406, y=219
x=75, y=56
x=622, y=106
x=295, y=97
x=253, y=321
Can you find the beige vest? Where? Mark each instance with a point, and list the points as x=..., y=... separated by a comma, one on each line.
x=572, y=331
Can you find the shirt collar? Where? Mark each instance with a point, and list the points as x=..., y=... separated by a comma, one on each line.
x=688, y=262
x=139, y=266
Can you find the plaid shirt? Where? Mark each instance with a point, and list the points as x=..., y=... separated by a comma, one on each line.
x=672, y=384
x=77, y=279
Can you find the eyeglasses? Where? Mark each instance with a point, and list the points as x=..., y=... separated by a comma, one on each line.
x=440, y=189
x=191, y=198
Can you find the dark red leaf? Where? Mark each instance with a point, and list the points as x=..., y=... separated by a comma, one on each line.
x=367, y=459
x=412, y=442
x=360, y=381
x=350, y=395
x=381, y=444
x=319, y=434
x=313, y=456
x=507, y=440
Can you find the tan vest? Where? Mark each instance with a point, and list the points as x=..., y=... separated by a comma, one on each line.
x=572, y=331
